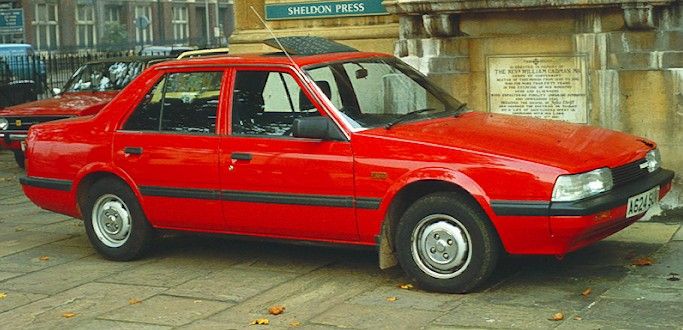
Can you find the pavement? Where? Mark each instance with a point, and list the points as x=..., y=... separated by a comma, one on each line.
x=50, y=277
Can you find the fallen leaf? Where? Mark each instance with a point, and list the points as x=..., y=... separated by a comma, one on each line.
x=197, y=301
x=392, y=299
x=406, y=286
x=587, y=292
x=673, y=277
x=276, y=310
x=18, y=229
x=578, y=318
x=559, y=316
x=134, y=301
x=260, y=322
x=640, y=262
x=3, y=295
x=43, y=258
x=295, y=324
x=69, y=315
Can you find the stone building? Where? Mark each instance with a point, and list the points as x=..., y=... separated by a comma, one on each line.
x=83, y=24
x=616, y=64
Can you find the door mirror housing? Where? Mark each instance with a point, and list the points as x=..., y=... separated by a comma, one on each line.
x=317, y=128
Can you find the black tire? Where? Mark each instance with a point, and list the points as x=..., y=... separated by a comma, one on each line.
x=113, y=198
x=20, y=158
x=446, y=243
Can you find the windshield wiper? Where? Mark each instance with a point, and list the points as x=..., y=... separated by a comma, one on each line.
x=407, y=116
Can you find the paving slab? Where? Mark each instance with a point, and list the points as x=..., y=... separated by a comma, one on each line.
x=476, y=313
x=636, y=312
x=43, y=256
x=678, y=236
x=395, y=297
x=87, y=302
x=638, y=288
x=167, y=310
x=374, y=317
x=14, y=299
x=117, y=325
x=67, y=275
x=7, y=275
x=15, y=242
x=231, y=284
x=646, y=232
x=304, y=297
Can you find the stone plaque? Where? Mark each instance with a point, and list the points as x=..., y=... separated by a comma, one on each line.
x=542, y=86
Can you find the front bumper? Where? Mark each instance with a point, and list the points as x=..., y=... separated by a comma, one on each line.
x=12, y=140
x=571, y=225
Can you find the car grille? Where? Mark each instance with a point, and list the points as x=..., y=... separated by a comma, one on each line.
x=23, y=123
x=627, y=173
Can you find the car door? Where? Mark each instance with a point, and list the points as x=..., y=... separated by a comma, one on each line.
x=274, y=184
x=169, y=147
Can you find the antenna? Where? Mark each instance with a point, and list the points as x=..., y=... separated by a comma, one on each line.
x=273, y=35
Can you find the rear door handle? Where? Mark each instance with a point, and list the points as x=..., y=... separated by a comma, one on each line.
x=132, y=150
x=240, y=156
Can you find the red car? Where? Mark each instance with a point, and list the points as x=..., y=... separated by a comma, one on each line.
x=90, y=88
x=350, y=148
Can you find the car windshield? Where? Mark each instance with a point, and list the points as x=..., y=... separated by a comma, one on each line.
x=381, y=92
x=104, y=76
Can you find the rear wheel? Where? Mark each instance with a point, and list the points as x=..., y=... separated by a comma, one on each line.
x=446, y=243
x=114, y=221
x=19, y=158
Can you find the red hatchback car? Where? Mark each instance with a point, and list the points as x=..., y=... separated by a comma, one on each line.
x=350, y=148
x=88, y=90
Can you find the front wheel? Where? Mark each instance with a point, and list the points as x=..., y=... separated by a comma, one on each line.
x=446, y=243
x=114, y=221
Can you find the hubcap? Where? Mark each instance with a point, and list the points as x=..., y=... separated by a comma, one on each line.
x=441, y=246
x=111, y=220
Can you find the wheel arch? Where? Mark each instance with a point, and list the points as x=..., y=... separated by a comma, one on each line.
x=93, y=173
x=417, y=185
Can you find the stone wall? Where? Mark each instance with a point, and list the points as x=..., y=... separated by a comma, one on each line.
x=632, y=52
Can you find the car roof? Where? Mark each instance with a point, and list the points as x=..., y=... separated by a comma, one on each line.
x=130, y=59
x=270, y=59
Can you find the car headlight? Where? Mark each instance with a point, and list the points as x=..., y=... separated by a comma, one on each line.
x=578, y=186
x=654, y=160
x=3, y=124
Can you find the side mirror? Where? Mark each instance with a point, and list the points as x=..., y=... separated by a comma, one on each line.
x=56, y=91
x=316, y=128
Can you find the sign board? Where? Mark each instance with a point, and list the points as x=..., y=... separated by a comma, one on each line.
x=142, y=22
x=11, y=21
x=323, y=9
x=541, y=86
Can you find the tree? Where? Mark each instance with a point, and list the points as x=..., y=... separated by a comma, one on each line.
x=114, y=36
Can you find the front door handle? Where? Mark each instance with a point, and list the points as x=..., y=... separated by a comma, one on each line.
x=132, y=150
x=240, y=156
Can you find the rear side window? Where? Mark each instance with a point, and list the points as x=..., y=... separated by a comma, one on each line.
x=184, y=102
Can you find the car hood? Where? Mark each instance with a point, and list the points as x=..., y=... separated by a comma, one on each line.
x=68, y=104
x=572, y=147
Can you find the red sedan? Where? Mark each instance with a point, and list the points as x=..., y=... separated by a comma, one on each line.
x=349, y=148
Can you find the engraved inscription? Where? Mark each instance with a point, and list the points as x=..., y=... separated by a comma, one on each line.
x=550, y=87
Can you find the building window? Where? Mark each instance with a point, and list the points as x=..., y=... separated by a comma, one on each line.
x=180, y=25
x=86, y=34
x=112, y=14
x=46, y=28
x=143, y=14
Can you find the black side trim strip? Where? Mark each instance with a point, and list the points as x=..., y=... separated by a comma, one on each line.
x=310, y=200
x=56, y=184
x=368, y=203
x=520, y=208
x=259, y=197
x=180, y=193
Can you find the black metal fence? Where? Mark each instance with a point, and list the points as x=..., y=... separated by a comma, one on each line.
x=30, y=77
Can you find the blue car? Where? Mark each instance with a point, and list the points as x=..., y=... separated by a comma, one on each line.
x=23, y=63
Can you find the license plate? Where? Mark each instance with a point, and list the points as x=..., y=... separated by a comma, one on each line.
x=640, y=203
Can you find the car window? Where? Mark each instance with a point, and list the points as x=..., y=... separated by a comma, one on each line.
x=104, y=76
x=184, y=102
x=266, y=103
